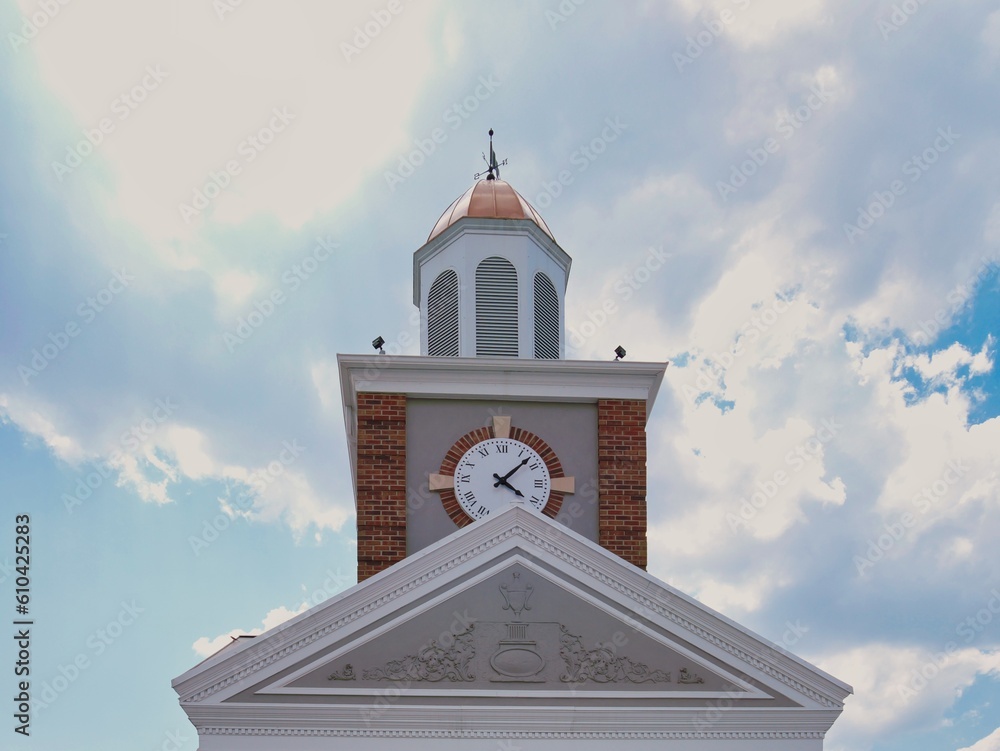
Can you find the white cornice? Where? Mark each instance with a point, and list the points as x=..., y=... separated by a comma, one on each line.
x=537, y=722
x=494, y=378
x=499, y=378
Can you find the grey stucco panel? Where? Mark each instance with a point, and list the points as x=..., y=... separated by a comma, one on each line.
x=433, y=425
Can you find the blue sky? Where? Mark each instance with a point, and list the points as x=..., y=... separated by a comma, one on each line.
x=200, y=205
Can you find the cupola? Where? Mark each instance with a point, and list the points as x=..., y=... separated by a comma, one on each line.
x=491, y=280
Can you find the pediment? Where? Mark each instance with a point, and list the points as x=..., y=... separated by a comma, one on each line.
x=516, y=628
x=513, y=611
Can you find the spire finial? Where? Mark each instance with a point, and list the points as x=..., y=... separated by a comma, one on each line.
x=492, y=165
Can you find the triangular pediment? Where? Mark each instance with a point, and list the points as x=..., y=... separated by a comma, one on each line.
x=513, y=611
x=516, y=627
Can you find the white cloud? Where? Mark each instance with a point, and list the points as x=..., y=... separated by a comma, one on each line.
x=992, y=741
x=222, y=86
x=31, y=420
x=900, y=687
x=326, y=380
x=736, y=597
x=130, y=475
x=991, y=41
x=234, y=287
x=754, y=22
x=206, y=647
x=276, y=489
x=942, y=366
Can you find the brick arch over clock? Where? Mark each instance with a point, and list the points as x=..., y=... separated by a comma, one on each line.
x=470, y=439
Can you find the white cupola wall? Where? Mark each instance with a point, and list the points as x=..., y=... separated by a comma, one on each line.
x=491, y=280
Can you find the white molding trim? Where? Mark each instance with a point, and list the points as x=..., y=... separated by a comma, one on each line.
x=536, y=721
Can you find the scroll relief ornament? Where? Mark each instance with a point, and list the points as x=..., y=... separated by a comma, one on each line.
x=432, y=663
x=347, y=674
x=687, y=676
x=600, y=665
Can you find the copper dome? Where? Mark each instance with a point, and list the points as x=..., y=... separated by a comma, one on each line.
x=490, y=199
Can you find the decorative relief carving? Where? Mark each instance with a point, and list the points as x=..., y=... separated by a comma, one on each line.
x=601, y=665
x=516, y=599
x=431, y=663
x=687, y=676
x=517, y=658
x=347, y=674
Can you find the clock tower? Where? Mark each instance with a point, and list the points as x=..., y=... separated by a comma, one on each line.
x=490, y=413
x=501, y=508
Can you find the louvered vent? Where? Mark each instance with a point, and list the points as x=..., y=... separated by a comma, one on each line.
x=442, y=316
x=546, y=319
x=496, y=308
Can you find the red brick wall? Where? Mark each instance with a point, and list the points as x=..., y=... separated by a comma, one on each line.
x=381, y=482
x=621, y=468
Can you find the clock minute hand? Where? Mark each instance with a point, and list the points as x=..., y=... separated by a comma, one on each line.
x=523, y=462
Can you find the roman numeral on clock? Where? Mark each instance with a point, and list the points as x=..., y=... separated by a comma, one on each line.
x=484, y=451
x=539, y=483
x=470, y=496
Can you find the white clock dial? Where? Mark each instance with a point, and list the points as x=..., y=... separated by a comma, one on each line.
x=497, y=470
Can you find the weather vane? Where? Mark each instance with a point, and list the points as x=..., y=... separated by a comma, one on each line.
x=492, y=165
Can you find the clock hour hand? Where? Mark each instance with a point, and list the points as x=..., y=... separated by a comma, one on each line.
x=503, y=481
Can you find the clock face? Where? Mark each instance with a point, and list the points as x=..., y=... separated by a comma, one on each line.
x=496, y=470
